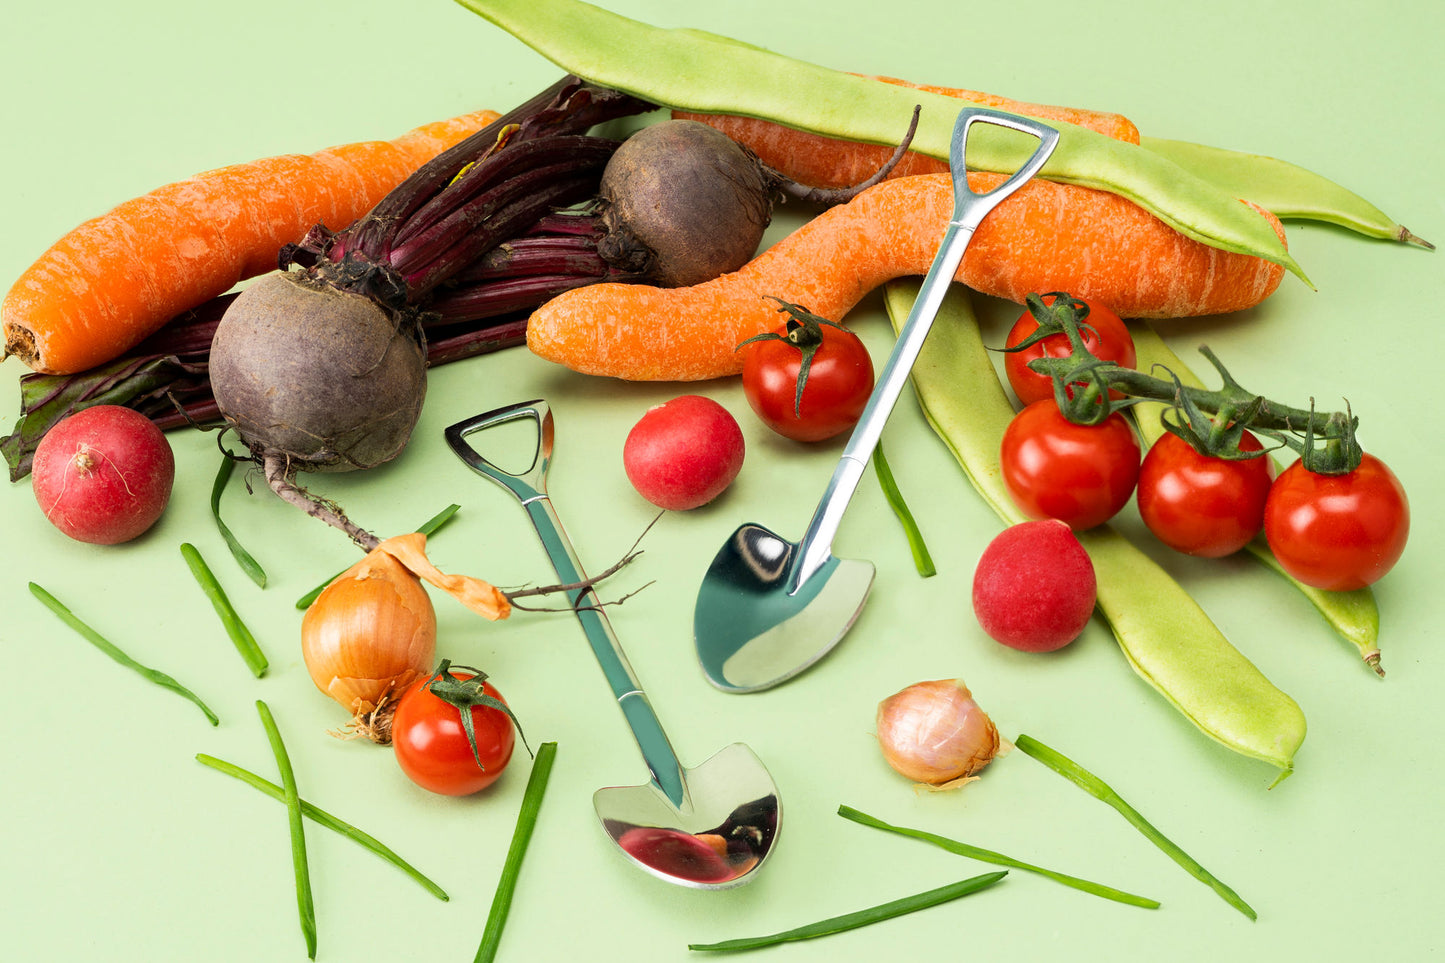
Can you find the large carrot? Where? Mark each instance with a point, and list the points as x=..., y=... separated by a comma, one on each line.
x=1046, y=237
x=820, y=161
x=117, y=278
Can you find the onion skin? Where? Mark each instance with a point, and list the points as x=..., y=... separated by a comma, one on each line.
x=935, y=734
x=369, y=634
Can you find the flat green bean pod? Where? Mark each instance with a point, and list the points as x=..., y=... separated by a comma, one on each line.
x=1286, y=190
x=1355, y=616
x=1164, y=634
x=698, y=71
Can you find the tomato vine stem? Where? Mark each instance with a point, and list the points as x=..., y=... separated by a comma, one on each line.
x=1209, y=420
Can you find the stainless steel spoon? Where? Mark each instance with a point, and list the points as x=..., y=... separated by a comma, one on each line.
x=708, y=827
x=768, y=608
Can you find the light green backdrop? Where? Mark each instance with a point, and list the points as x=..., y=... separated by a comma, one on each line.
x=117, y=845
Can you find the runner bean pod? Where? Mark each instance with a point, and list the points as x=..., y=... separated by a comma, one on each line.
x=1286, y=190
x=698, y=71
x=1164, y=634
x=1354, y=615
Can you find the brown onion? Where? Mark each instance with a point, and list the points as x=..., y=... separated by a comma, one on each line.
x=935, y=734
x=372, y=631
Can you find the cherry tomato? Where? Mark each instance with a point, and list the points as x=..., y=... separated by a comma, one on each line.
x=839, y=381
x=1079, y=474
x=1104, y=333
x=432, y=748
x=1201, y=505
x=1337, y=532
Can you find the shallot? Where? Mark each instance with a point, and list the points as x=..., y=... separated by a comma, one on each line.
x=935, y=734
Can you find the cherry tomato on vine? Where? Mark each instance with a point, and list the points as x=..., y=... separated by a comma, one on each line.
x=1337, y=532
x=1079, y=474
x=1104, y=334
x=838, y=379
x=1199, y=504
x=432, y=747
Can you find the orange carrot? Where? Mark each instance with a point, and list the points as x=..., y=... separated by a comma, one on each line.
x=1045, y=237
x=819, y=161
x=119, y=277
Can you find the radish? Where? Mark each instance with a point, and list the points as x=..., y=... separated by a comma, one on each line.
x=682, y=454
x=104, y=474
x=1034, y=587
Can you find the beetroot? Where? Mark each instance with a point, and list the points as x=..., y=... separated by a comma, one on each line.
x=682, y=454
x=326, y=378
x=103, y=475
x=1034, y=587
x=684, y=203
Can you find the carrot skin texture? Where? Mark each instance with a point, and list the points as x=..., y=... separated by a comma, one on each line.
x=1046, y=237
x=113, y=280
x=830, y=162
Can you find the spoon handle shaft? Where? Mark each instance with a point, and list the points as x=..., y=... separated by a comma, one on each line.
x=529, y=487
x=969, y=209
x=646, y=727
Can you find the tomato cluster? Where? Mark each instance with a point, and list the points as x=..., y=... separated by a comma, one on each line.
x=1332, y=531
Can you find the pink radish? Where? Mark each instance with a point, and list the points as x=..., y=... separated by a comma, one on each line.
x=682, y=454
x=103, y=475
x=1034, y=587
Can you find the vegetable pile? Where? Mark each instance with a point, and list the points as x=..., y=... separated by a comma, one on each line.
x=636, y=258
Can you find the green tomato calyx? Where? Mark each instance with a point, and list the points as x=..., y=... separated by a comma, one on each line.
x=465, y=695
x=804, y=330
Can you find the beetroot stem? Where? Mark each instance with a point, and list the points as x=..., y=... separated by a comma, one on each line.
x=528, y=256
x=499, y=297
x=490, y=171
x=434, y=256
x=568, y=106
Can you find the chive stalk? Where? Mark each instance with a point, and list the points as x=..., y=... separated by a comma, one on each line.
x=305, y=907
x=874, y=914
x=521, y=836
x=999, y=859
x=110, y=649
x=1100, y=790
x=922, y=560
x=240, y=635
x=322, y=818
x=243, y=558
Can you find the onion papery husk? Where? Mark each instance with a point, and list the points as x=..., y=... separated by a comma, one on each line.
x=372, y=632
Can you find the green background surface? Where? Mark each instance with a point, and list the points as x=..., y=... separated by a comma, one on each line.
x=117, y=845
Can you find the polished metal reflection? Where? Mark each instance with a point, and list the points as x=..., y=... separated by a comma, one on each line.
x=707, y=827
x=767, y=608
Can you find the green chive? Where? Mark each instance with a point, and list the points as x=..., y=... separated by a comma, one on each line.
x=989, y=856
x=526, y=822
x=1100, y=790
x=241, y=636
x=304, y=904
x=851, y=921
x=921, y=559
x=322, y=818
x=428, y=528
x=101, y=643
x=248, y=564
